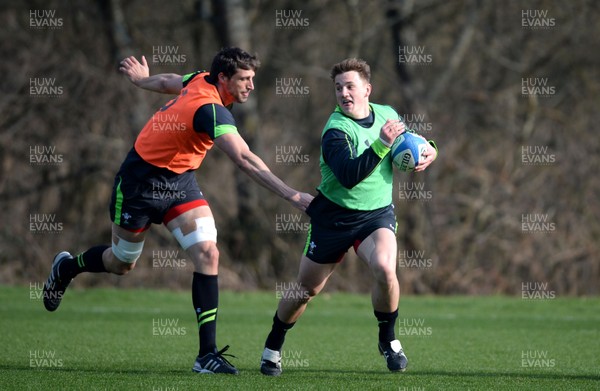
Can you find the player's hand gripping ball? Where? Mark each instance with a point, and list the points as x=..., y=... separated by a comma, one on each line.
x=407, y=151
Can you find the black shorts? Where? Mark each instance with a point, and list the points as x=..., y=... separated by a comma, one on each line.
x=144, y=194
x=334, y=229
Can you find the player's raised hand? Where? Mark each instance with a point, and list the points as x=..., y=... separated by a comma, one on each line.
x=134, y=70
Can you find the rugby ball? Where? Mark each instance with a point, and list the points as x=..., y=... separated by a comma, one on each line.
x=407, y=151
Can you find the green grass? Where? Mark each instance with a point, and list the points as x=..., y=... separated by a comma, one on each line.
x=104, y=339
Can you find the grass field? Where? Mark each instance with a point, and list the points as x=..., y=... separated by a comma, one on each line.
x=147, y=340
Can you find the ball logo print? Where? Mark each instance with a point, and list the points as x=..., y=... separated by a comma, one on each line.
x=407, y=151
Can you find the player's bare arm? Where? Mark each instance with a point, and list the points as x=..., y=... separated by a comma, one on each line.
x=139, y=74
x=238, y=151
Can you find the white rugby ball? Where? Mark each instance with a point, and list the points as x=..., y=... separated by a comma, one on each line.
x=407, y=151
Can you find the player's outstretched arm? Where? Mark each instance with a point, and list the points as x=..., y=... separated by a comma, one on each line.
x=139, y=74
x=236, y=148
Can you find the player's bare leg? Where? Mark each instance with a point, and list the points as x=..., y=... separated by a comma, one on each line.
x=195, y=230
x=379, y=251
x=312, y=277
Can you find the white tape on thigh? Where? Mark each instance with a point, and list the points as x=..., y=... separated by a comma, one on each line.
x=127, y=252
x=205, y=231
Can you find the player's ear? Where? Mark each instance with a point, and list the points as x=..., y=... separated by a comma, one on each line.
x=221, y=76
x=368, y=90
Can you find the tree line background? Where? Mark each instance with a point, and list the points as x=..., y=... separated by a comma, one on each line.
x=465, y=221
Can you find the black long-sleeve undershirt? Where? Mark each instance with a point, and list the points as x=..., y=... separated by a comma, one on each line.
x=341, y=156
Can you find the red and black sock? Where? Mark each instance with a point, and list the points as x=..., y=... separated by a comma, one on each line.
x=276, y=337
x=205, y=297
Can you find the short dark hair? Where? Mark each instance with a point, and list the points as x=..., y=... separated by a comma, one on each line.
x=352, y=64
x=229, y=60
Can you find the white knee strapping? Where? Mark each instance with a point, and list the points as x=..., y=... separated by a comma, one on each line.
x=127, y=252
x=205, y=230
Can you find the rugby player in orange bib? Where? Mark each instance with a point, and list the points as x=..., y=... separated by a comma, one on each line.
x=156, y=184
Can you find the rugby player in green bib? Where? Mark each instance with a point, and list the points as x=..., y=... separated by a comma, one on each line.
x=352, y=209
